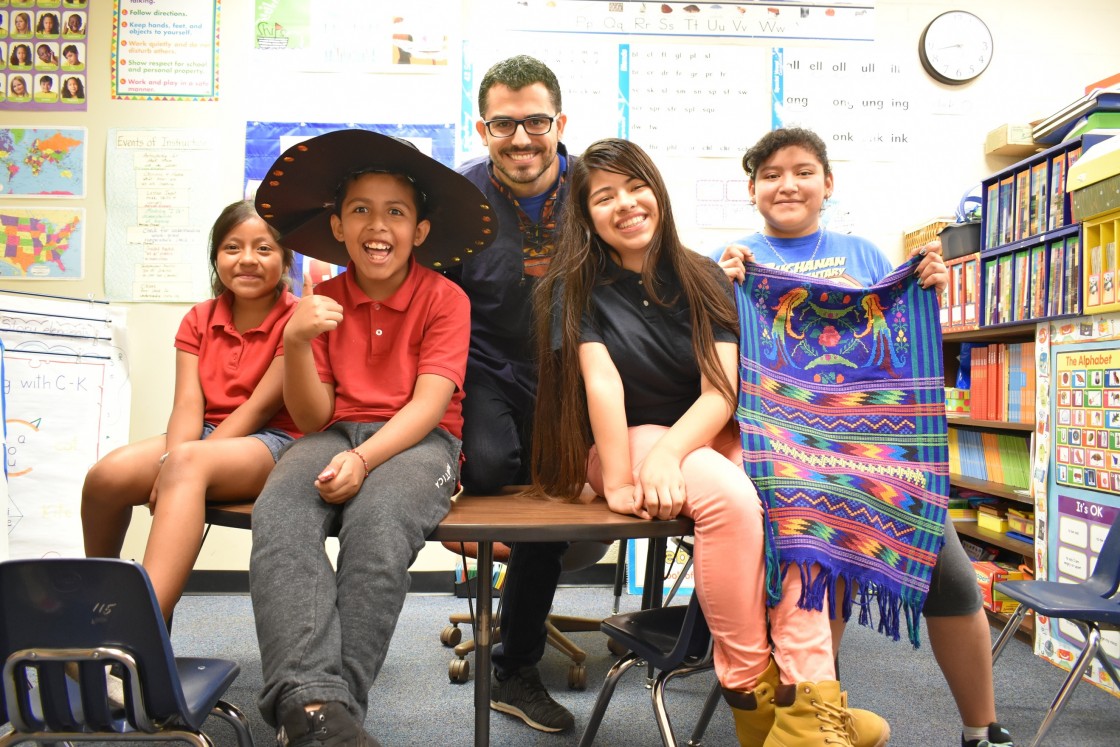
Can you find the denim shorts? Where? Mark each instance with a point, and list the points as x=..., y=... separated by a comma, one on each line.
x=275, y=439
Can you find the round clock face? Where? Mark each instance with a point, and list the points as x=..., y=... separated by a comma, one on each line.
x=955, y=47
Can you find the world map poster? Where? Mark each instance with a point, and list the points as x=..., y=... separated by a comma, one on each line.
x=42, y=162
x=41, y=243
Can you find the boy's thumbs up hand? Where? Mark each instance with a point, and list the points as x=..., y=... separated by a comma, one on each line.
x=313, y=316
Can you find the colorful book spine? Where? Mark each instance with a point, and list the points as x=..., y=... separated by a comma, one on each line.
x=955, y=291
x=1055, y=295
x=970, y=302
x=1022, y=289
x=1022, y=204
x=1006, y=286
x=1073, y=275
x=991, y=215
x=1007, y=209
x=1057, y=216
x=1039, y=183
x=1038, y=282
x=991, y=291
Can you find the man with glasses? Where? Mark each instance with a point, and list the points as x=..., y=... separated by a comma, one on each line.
x=523, y=178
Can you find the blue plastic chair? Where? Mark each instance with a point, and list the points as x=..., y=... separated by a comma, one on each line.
x=674, y=641
x=97, y=613
x=1088, y=605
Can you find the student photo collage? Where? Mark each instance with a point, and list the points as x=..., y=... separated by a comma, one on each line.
x=43, y=53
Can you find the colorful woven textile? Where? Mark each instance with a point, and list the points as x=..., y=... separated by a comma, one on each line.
x=842, y=416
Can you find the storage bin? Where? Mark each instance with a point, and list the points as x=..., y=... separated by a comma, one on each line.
x=959, y=239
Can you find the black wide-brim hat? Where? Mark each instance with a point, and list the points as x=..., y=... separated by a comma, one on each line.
x=297, y=196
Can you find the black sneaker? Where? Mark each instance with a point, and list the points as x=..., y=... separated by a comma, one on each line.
x=522, y=695
x=329, y=725
x=997, y=737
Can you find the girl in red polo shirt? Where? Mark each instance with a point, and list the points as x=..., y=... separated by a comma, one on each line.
x=227, y=425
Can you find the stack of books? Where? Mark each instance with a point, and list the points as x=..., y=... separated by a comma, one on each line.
x=1002, y=458
x=964, y=504
x=1060, y=124
x=1003, y=382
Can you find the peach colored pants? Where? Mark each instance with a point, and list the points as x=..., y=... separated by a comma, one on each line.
x=728, y=569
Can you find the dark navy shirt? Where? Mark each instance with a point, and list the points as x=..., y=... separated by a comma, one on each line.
x=650, y=344
x=501, y=291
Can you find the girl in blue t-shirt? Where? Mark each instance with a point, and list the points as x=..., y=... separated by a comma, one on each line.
x=789, y=180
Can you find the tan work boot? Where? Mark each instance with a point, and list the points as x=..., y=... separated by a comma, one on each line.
x=809, y=714
x=865, y=729
x=754, y=709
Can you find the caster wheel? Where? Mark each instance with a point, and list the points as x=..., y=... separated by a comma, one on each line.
x=616, y=648
x=577, y=677
x=459, y=670
x=451, y=635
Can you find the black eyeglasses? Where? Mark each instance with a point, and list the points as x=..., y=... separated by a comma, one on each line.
x=537, y=125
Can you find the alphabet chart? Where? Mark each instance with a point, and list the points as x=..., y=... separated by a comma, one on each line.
x=1087, y=420
x=698, y=100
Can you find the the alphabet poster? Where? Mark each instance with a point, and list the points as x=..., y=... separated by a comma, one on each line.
x=1087, y=420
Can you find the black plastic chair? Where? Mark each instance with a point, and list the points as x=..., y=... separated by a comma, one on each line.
x=1088, y=605
x=675, y=641
x=89, y=615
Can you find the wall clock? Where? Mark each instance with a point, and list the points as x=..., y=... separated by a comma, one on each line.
x=955, y=47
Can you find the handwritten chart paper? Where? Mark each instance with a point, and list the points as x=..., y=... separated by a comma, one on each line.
x=165, y=50
x=160, y=209
x=67, y=402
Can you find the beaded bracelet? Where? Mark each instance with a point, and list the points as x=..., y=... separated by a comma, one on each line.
x=365, y=464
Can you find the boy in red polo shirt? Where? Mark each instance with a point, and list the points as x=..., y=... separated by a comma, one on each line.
x=373, y=372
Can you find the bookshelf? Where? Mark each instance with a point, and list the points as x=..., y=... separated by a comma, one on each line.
x=1012, y=550
x=1031, y=258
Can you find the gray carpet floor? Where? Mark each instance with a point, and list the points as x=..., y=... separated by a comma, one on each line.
x=413, y=702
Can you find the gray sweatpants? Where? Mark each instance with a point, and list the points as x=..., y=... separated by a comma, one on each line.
x=323, y=635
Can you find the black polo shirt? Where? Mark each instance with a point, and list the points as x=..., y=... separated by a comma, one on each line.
x=650, y=344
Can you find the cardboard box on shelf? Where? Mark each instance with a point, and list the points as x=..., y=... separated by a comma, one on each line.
x=988, y=574
x=1010, y=140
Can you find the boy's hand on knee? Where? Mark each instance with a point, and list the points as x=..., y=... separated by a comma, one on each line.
x=341, y=479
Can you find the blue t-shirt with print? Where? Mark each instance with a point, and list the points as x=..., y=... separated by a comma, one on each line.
x=841, y=257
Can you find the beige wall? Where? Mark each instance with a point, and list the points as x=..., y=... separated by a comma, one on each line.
x=1044, y=53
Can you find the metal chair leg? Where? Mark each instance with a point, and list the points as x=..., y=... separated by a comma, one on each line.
x=661, y=682
x=664, y=725
x=1008, y=631
x=620, y=667
x=706, y=714
x=1092, y=646
x=235, y=718
x=619, y=574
